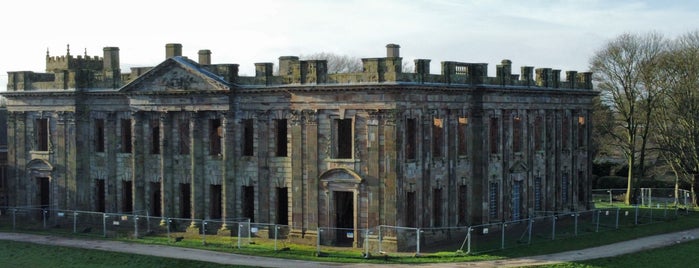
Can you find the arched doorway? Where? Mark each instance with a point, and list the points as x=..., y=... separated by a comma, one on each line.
x=39, y=174
x=341, y=216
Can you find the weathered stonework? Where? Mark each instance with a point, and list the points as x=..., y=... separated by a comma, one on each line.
x=304, y=148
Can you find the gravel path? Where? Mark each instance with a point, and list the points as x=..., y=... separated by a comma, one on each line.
x=236, y=259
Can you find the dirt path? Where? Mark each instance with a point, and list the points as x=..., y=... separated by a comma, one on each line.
x=236, y=259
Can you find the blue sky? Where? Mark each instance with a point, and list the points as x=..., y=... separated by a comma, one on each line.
x=541, y=33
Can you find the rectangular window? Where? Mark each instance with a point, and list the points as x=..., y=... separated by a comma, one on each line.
x=155, y=204
x=282, y=205
x=564, y=132
x=517, y=134
x=216, y=206
x=493, y=200
x=184, y=136
x=463, y=139
x=581, y=131
x=215, y=136
x=516, y=200
x=494, y=135
x=248, y=137
x=343, y=138
x=126, y=197
x=99, y=195
x=42, y=134
x=437, y=207
x=437, y=137
x=99, y=135
x=410, y=138
x=538, y=129
x=463, y=205
x=126, y=135
x=249, y=202
x=281, y=136
x=185, y=200
x=155, y=137
x=537, y=194
x=410, y=214
x=564, y=189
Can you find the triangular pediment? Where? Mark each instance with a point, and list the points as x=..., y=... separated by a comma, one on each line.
x=177, y=74
x=518, y=167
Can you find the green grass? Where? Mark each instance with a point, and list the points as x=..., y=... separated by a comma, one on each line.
x=680, y=255
x=345, y=255
x=21, y=254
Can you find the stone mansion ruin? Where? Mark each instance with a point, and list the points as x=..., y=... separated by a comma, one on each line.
x=301, y=147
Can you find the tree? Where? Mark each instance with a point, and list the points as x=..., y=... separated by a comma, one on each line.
x=337, y=63
x=621, y=69
x=678, y=120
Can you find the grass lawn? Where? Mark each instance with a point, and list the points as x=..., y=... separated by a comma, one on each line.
x=19, y=254
x=680, y=255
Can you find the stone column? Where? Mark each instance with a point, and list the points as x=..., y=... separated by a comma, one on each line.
x=298, y=192
x=138, y=159
x=310, y=165
x=228, y=170
x=373, y=162
x=110, y=132
x=196, y=132
x=479, y=152
x=167, y=182
x=390, y=176
x=263, y=185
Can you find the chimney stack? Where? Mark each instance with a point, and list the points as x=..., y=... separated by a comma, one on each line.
x=173, y=50
x=392, y=51
x=205, y=57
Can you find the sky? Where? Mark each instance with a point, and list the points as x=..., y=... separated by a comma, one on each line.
x=541, y=33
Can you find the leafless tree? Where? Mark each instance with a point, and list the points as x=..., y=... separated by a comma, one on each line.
x=622, y=71
x=337, y=63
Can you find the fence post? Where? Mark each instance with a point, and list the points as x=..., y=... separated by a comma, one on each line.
x=104, y=224
x=135, y=226
x=366, y=243
x=531, y=225
x=599, y=214
x=502, y=236
x=203, y=233
x=418, y=243
x=576, y=223
x=43, y=216
x=14, y=218
x=380, y=239
x=468, y=237
x=610, y=196
x=617, y=218
x=636, y=216
x=249, y=232
x=318, y=241
x=553, y=228
x=75, y=222
x=276, y=231
x=240, y=227
x=167, y=221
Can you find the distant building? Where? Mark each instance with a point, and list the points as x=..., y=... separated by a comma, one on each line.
x=302, y=148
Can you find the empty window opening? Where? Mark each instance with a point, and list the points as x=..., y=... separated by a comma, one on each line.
x=343, y=138
x=126, y=197
x=44, y=192
x=564, y=133
x=463, y=205
x=42, y=134
x=184, y=136
x=437, y=137
x=581, y=131
x=126, y=135
x=282, y=206
x=517, y=134
x=437, y=207
x=248, y=135
x=155, y=204
x=249, y=202
x=410, y=213
x=494, y=135
x=99, y=135
x=155, y=138
x=185, y=200
x=410, y=139
x=99, y=195
x=216, y=206
x=462, y=135
x=215, y=136
x=281, y=137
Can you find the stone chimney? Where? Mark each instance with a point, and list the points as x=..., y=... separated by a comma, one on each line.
x=205, y=57
x=111, y=58
x=392, y=51
x=173, y=50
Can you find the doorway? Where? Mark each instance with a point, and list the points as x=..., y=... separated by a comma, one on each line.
x=344, y=218
x=44, y=192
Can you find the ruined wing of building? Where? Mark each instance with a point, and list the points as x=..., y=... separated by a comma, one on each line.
x=304, y=148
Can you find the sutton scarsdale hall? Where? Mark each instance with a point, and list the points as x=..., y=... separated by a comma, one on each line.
x=299, y=146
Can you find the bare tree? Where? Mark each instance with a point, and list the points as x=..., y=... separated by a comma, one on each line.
x=337, y=63
x=621, y=69
x=678, y=120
